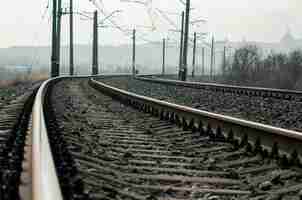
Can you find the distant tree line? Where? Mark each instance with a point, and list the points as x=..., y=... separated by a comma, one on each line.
x=276, y=70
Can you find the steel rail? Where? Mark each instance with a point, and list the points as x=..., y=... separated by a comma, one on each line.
x=282, y=143
x=45, y=184
x=257, y=91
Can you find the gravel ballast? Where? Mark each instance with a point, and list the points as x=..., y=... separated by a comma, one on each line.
x=267, y=110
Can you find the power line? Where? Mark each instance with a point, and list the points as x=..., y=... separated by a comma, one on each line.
x=124, y=31
x=181, y=1
x=35, y=38
x=104, y=13
x=148, y=5
x=46, y=9
x=167, y=18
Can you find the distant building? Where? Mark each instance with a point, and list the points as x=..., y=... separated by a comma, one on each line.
x=288, y=39
x=287, y=43
x=20, y=69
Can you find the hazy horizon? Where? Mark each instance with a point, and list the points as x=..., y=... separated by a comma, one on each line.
x=260, y=21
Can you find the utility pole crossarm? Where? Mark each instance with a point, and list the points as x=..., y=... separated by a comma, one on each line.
x=108, y=16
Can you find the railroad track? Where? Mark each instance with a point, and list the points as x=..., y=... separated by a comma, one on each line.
x=14, y=120
x=87, y=140
x=251, y=91
x=106, y=143
x=273, y=111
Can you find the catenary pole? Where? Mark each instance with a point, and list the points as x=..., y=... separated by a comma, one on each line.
x=212, y=58
x=95, y=44
x=224, y=61
x=181, y=44
x=194, y=56
x=203, y=62
x=186, y=40
x=59, y=25
x=71, y=59
x=54, y=40
x=164, y=56
x=133, y=53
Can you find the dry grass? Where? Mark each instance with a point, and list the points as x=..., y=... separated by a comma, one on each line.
x=6, y=83
x=38, y=76
x=35, y=76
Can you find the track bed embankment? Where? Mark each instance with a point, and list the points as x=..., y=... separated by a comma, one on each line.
x=104, y=149
x=267, y=110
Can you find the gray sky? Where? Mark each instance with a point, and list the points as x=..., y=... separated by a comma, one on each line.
x=258, y=20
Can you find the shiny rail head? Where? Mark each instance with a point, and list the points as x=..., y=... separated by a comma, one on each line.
x=45, y=184
x=256, y=91
x=273, y=141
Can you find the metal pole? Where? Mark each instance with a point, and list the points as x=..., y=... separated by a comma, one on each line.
x=194, y=56
x=224, y=61
x=185, y=56
x=181, y=44
x=59, y=36
x=214, y=62
x=54, y=40
x=71, y=63
x=212, y=58
x=133, y=53
x=164, y=56
x=203, y=70
x=95, y=44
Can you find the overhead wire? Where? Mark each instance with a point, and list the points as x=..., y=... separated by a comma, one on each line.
x=167, y=18
x=119, y=27
x=102, y=10
x=152, y=15
x=46, y=9
x=34, y=59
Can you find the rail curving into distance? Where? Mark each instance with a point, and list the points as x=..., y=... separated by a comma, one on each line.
x=255, y=91
x=45, y=184
x=282, y=143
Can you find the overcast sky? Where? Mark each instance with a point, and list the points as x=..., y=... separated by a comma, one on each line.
x=255, y=20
